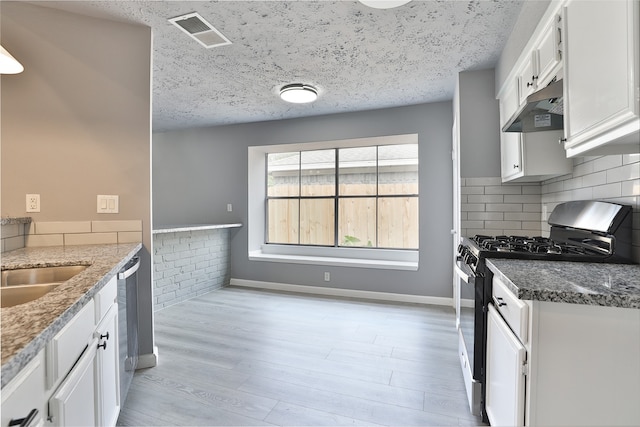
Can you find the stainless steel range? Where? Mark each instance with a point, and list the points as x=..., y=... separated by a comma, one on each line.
x=581, y=231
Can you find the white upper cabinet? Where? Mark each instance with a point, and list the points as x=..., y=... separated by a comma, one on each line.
x=601, y=87
x=536, y=156
x=543, y=62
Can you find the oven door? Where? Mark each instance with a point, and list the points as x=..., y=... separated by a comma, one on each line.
x=468, y=300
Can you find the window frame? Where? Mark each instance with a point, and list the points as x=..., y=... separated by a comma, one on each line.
x=364, y=257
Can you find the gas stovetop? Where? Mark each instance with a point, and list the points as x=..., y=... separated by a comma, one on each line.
x=532, y=245
x=581, y=231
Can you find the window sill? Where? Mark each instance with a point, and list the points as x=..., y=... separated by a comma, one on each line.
x=259, y=255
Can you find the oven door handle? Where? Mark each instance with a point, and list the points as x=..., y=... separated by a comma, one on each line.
x=467, y=278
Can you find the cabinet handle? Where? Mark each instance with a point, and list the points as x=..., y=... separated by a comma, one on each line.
x=534, y=78
x=516, y=166
x=562, y=140
x=24, y=422
x=104, y=336
x=499, y=301
x=103, y=345
x=529, y=84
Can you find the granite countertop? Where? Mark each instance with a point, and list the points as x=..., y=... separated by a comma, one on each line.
x=7, y=221
x=611, y=285
x=26, y=328
x=194, y=227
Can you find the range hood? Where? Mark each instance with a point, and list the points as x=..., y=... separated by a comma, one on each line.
x=542, y=111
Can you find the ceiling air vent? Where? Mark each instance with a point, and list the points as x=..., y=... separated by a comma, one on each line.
x=199, y=29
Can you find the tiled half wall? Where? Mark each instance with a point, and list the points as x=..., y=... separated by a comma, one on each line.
x=189, y=263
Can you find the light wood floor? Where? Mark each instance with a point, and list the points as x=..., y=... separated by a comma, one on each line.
x=253, y=358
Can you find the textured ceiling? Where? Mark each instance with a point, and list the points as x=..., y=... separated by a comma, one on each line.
x=358, y=57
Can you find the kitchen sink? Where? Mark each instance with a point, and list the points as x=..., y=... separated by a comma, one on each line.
x=27, y=284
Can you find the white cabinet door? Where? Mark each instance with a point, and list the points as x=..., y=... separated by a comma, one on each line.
x=108, y=378
x=548, y=54
x=73, y=404
x=526, y=77
x=511, y=153
x=505, y=379
x=601, y=77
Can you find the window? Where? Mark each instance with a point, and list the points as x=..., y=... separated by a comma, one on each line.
x=350, y=203
x=365, y=197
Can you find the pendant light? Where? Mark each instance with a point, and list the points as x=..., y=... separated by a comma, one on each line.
x=9, y=64
x=299, y=93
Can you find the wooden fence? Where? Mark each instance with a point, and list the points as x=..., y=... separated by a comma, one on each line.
x=397, y=219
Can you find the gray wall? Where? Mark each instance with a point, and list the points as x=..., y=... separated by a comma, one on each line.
x=197, y=172
x=479, y=124
x=76, y=123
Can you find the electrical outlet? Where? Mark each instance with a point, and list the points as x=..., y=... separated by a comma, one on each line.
x=229, y=207
x=327, y=276
x=33, y=203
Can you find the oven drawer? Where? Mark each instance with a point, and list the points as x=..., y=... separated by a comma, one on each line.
x=514, y=311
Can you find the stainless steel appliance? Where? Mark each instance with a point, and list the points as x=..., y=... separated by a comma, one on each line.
x=128, y=323
x=581, y=231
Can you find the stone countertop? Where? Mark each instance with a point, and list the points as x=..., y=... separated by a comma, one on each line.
x=611, y=285
x=26, y=328
x=7, y=221
x=194, y=227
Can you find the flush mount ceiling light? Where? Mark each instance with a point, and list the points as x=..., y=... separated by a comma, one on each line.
x=384, y=4
x=298, y=93
x=9, y=64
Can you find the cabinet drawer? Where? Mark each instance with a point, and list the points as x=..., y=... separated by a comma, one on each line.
x=105, y=298
x=514, y=311
x=68, y=344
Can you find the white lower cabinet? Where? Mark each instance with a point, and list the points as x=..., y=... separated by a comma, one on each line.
x=75, y=381
x=560, y=364
x=74, y=402
x=23, y=398
x=107, y=367
x=505, y=377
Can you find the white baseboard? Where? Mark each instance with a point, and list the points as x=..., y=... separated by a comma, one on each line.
x=347, y=293
x=148, y=360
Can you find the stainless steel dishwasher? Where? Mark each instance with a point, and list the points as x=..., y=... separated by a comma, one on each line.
x=128, y=323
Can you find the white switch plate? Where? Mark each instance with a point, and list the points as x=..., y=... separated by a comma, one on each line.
x=33, y=203
x=229, y=207
x=107, y=203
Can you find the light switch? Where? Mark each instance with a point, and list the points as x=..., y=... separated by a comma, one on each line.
x=107, y=203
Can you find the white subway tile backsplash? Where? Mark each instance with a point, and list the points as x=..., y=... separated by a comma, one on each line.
x=504, y=207
x=526, y=198
x=607, y=162
x=485, y=198
x=61, y=227
x=501, y=225
x=606, y=191
x=594, y=179
x=631, y=158
x=503, y=189
x=522, y=216
x=630, y=188
x=583, y=169
x=33, y=240
x=109, y=226
x=472, y=207
x=531, y=189
x=483, y=182
x=472, y=190
x=624, y=173
x=74, y=239
x=493, y=216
